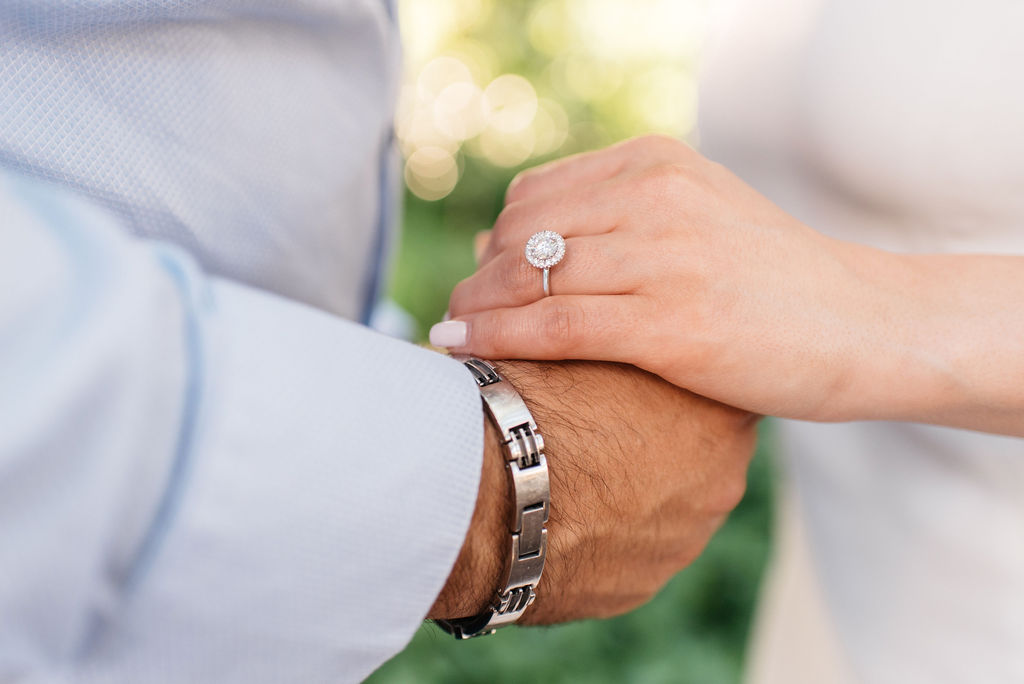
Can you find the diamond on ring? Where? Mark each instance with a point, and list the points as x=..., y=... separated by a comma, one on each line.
x=545, y=249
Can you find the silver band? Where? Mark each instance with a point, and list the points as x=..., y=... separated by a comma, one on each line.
x=547, y=282
x=528, y=473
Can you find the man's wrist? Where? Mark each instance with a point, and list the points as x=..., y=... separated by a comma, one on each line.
x=477, y=572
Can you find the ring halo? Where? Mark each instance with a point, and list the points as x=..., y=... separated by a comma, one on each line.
x=545, y=249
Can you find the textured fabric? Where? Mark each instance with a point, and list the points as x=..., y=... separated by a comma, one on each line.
x=250, y=132
x=896, y=124
x=206, y=474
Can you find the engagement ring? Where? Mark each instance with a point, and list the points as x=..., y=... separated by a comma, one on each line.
x=544, y=250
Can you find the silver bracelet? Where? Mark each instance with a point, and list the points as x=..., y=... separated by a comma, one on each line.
x=528, y=472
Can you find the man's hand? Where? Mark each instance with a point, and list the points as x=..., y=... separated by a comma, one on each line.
x=642, y=474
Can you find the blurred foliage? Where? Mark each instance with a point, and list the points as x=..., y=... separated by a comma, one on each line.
x=493, y=87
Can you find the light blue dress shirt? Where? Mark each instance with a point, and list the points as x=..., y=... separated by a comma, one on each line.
x=206, y=472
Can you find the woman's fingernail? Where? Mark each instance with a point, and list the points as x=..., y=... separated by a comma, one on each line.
x=448, y=334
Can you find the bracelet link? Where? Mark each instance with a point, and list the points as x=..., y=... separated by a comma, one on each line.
x=525, y=446
x=528, y=475
x=526, y=569
x=507, y=409
x=533, y=501
x=532, y=535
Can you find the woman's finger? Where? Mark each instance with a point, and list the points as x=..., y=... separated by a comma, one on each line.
x=480, y=241
x=591, y=208
x=562, y=174
x=593, y=167
x=594, y=264
x=586, y=210
x=599, y=327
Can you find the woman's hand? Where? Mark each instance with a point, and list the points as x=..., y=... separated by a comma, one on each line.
x=675, y=265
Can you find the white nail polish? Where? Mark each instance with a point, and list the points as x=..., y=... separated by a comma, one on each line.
x=449, y=334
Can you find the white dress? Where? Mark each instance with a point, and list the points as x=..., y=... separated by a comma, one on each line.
x=898, y=124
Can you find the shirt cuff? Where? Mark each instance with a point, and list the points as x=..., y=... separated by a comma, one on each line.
x=319, y=511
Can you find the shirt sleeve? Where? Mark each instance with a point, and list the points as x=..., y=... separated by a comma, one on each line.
x=204, y=482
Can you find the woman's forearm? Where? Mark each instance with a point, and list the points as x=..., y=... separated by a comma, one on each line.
x=675, y=265
x=950, y=342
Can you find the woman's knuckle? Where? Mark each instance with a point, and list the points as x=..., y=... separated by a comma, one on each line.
x=510, y=217
x=641, y=143
x=519, y=187
x=561, y=323
x=502, y=335
x=586, y=256
x=660, y=145
x=663, y=181
x=517, y=274
x=715, y=168
x=595, y=257
x=657, y=141
x=506, y=226
x=459, y=297
x=675, y=175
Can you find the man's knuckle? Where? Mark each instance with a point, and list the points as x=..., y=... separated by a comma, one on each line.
x=683, y=555
x=727, y=494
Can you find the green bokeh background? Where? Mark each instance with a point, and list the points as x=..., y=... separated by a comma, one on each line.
x=696, y=629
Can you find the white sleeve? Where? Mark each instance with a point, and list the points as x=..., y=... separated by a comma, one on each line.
x=201, y=482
